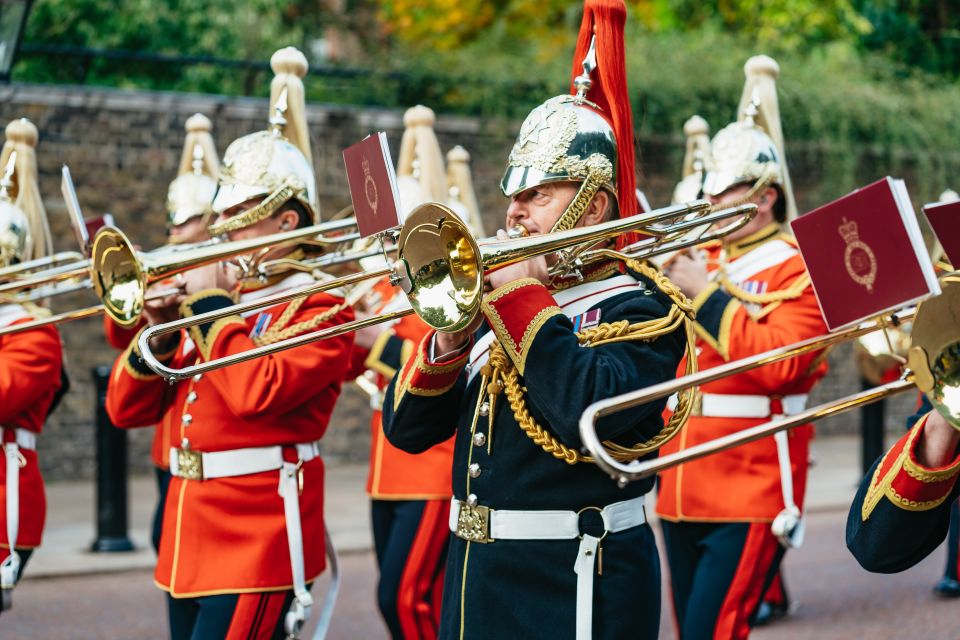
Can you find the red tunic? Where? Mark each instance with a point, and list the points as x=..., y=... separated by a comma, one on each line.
x=120, y=338
x=228, y=535
x=395, y=474
x=744, y=484
x=31, y=365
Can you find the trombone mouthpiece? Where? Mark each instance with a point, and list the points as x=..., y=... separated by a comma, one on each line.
x=517, y=231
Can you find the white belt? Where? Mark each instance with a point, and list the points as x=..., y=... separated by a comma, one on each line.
x=204, y=465
x=483, y=524
x=197, y=465
x=10, y=567
x=717, y=405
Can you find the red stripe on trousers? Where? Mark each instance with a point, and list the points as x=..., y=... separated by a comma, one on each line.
x=746, y=588
x=256, y=616
x=421, y=584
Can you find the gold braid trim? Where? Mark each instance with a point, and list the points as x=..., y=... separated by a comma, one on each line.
x=500, y=374
x=280, y=331
x=794, y=290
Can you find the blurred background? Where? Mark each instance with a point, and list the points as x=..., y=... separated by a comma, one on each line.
x=867, y=88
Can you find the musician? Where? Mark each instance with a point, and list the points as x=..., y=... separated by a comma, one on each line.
x=32, y=377
x=948, y=586
x=902, y=510
x=409, y=495
x=544, y=544
x=728, y=518
x=188, y=215
x=244, y=513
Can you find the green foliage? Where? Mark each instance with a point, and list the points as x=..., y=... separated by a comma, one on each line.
x=860, y=78
x=919, y=33
x=230, y=29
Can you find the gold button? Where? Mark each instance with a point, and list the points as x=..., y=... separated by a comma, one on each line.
x=479, y=439
x=186, y=419
x=197, y=377
x=474, y=470
x=472, y=500
x=485, y=409
x=185, y=444
x=192, y=397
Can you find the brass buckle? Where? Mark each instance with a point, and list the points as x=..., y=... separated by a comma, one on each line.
x=189, y=464
x=473, y=523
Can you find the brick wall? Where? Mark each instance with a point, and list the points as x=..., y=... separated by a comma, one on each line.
x=123, y=148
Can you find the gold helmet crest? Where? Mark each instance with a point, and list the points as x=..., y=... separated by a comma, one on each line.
x=191, y=192
x=275, y=164
x=24, y=231
x=750, y=150
x=690, y=187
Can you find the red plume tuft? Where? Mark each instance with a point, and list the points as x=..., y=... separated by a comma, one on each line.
x=606, y=20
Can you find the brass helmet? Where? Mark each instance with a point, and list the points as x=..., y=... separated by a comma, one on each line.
x=587, y=136
x=14, y=231
x=191, y=192
x=462, y=197
x=750, y=150
x=420, y=170
x=273, y=164
x=690, y=187
x=24, y=230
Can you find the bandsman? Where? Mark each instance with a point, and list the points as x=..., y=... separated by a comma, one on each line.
x=902, y=510
x=243, y=524
x=544, y=544
x=32, y=377
x=728, y=518
x=409, y=495
x=189, y=200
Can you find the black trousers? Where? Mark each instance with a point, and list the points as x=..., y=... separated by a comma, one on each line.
x=244, y=615
x=953, y=541
x=718, y=575
x=395, y=524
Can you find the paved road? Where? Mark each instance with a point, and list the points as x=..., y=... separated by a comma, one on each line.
x=837, y=601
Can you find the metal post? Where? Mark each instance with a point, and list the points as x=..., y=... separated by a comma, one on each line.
x=872, y=418
x=112, y=520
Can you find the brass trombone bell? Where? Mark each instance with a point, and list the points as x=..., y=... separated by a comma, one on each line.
x=121, y=274
x=440, y=267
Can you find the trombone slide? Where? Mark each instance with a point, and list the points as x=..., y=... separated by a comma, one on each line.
x=637, y=470
x=624, y=473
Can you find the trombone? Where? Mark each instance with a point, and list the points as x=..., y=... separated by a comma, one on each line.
x=934, y=368
x=697, y=228
x=121, y=274
x=440, y=268
x=155, y=265
x=22, y=270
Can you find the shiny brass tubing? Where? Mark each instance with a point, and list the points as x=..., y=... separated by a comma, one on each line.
x=625, y=472
x=173, y=375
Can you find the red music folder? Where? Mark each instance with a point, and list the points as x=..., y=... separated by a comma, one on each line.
x=865, y=254
x=944, y=218
x=373, y=185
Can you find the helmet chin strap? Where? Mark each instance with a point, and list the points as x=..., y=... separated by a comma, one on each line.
x=580, y=203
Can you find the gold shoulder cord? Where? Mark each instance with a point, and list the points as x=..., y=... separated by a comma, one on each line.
x=499, y=374
x=280, y=331
x=794, y=290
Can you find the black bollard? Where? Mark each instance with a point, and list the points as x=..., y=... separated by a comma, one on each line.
x=112, y=521
x=872, y=417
